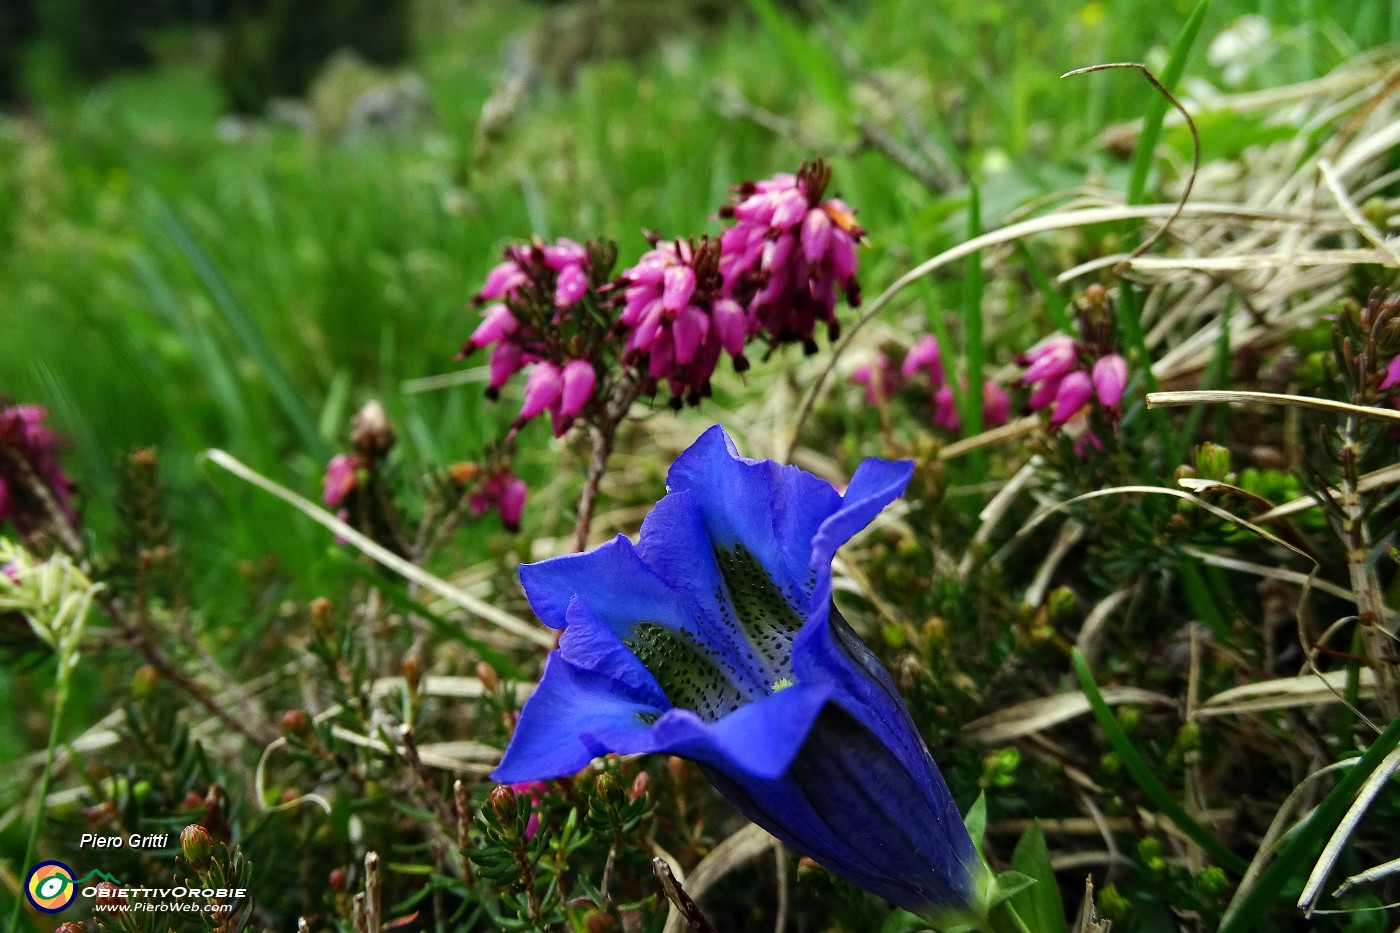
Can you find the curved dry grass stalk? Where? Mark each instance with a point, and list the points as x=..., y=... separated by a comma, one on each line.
x=1037, y=715
x=1224, y=397
x=411, y=571
x=1333, y=850
x=1312, y=689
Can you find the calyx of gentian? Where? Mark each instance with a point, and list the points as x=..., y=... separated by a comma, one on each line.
x=715, y=638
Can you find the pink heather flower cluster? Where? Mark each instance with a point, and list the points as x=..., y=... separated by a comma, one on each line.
x=24, y=439
x=1066, y=383
x=924, y=361
x=506, y=493
x=531, y=274
x=775, y=273
x=678, y=319
x=789, y=253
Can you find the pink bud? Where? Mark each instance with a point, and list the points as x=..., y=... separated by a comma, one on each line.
x=789, y=209
x=339, y=481
x=689, y=330
x=924, y=355
x=500, y=280
x=565, y=252
x=505, y=362
x=1110, y=377
x=1074, y=393
x=1087, y=441
x=497, y=323
x=542, y=389
x=816, y=235
x=728, y=319
x=995, y=405
x=680, y=285
x=945, y=410
x=1392, y=374
x=843, y=255
x=1049, y=359
x=577, y=381
x=572, y=284
x=512, y=502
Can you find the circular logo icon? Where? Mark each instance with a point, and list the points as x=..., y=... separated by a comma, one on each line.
x=49, y=887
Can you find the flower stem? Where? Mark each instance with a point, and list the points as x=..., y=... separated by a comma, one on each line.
x=46, y=779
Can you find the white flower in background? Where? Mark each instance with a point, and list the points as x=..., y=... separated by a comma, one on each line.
x=1240, y=49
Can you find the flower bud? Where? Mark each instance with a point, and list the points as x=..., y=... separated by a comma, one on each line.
x=502, y=803
x=485, y=673
x=640, y=784
x=197, y=845
x=336, y=880
x=144, y=681
x=371, y=434
x=412, y=668
x=296, y=723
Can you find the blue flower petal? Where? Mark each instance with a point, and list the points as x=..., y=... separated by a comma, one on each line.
x=588, y=643
x=758, y=739
x=772, y=510
x=876, y=484
x=560, y=724
x=851, y=805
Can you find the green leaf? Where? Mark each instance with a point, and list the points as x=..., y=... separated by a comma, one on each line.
x=1008, y=884
x=976, y=820
x=1040, y=906
x=1146, y=779
x=1157, y=109
x=902, y=921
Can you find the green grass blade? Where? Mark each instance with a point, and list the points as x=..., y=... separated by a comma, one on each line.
x=972, y=318
x=1305, y=843
x=1144, y=777
x=1157, y=109
x=246, y=329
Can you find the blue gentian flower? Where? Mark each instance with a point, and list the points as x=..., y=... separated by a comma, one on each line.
x=715, y=638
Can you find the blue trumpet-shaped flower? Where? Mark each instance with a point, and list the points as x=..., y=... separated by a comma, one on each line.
x=715, y=638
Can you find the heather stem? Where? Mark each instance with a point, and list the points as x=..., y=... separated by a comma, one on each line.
x=604, y=434
x=1370, y=605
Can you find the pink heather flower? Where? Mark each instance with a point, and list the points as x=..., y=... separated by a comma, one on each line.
x=880, y=378
x=542, y=390
x=1074, y=393
x=342, y=476
x=1086, y=442
x=531, y=273
x=789, y=253
x=576, y=381
x=1050, y=359
x=505, y=492
x=1110, y=377
x=677, y=320
x=497, y=323
x=925, y=356
x=24, y=437
x=945, y=410
x=995, y=405
x=572, y=284
x=1392, y=375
